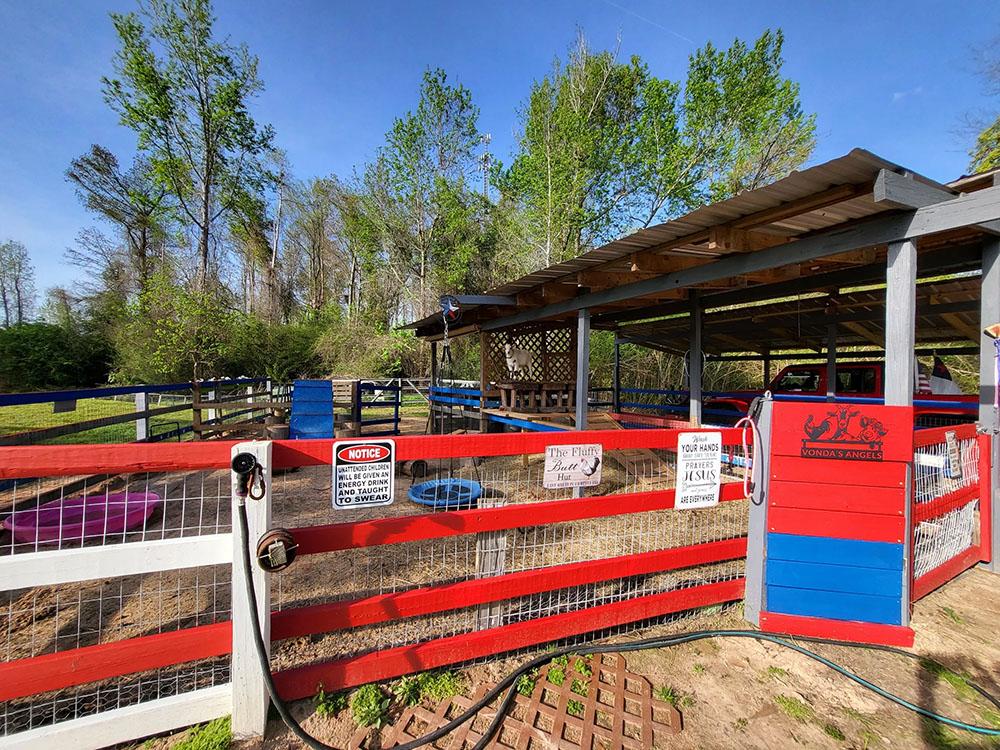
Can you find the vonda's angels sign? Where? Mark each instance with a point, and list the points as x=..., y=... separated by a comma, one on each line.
x=846, y=433
x=843, y=432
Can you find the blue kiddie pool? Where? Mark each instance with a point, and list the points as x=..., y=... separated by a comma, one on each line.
x=446, y=493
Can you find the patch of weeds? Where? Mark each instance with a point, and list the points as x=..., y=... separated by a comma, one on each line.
x=557, y=675
x=868, y=739
x=435, y=686
x=991, y=717
x=777, y=672
x=525, y=684
x=574, y=708
x=583, y=667
x=740, y=725
x=369, y=706
x=562, y=661
x=329, y=704
x=687, y=701
x=580, y=687
x=699, y=668
x=667, y=694
x=795, y=708
x=215, y=735
x=957, y=681
x=440, y=685
x=832, y=730
x=407, y=690
x=952, y=615
x=938, y=736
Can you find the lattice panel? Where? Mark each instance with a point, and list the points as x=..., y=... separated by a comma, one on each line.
x=608, y=709
x=552, y=355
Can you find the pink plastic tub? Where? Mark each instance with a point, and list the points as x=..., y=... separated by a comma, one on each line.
x=79, y=518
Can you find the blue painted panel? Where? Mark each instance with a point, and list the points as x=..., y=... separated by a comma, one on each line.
x=819, y=549
x=834, y=605
x=312, y=410
x=844, y=578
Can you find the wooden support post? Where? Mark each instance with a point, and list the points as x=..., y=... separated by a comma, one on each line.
x=483, y=382
x=142, y=423
x=196, y=410
x=989, y=419
x=831, y=362
x=900, y=319
x=767, y=368
x=616, y=379
x=695, y=362
x=250, y=699
x=582, y=366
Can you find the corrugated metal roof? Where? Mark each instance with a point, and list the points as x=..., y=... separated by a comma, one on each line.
x=858, y=166
x=829, y=184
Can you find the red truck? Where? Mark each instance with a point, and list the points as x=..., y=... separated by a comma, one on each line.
x=854, y=380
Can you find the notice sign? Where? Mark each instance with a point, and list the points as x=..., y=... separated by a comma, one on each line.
x=699, y=469
x=572, y=466
x=364, y=473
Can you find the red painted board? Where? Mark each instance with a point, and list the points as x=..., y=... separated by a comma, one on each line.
x=986, y=509
x=936, y=435
x=838, y=497
x=338, y=674
x=291, y=453
x=867, y=527
x=838, y=630
x=944, y=573
x=71, y=460
x=292, y=623
x=78, y=666
x=74, y=460
x=332, y=537
x=944, y=504
x=860, y=433
x=856, y=473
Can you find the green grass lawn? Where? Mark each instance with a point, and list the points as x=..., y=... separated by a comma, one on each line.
x=27, y=417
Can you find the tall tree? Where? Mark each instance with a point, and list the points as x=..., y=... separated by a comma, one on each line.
x=17, y=283
x=417, y=195
x=985, y=153
x=130, y=199
x=186, y=96
x=607, y=147
x=744, y=117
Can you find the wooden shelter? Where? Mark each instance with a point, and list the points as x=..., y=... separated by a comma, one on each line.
x=848, y=240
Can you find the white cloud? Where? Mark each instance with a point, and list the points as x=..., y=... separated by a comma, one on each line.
x=898, y=96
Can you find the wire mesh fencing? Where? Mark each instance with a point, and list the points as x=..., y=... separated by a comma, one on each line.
x=303, y=497
x=945, y=499
x=55, y=619
x=52, y=513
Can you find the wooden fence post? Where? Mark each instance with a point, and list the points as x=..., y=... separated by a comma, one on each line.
x=141, y=423
x=250, y=699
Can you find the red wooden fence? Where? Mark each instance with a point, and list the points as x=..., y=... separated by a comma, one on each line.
x=30, y=676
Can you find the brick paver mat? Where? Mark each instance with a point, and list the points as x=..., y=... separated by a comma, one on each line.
x=591, y=702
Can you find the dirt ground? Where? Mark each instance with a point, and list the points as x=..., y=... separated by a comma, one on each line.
x=740, y=693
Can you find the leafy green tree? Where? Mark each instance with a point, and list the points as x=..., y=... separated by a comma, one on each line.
x=36, y=356
x=416, y=215
x=607, y=147
x=985, y=154
x=743, y=117
x=186, y=96
x=130, y=199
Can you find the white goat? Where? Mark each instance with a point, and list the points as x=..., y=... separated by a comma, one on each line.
x=518, y=360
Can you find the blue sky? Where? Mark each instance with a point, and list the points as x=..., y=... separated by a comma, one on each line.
x=893, y=76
